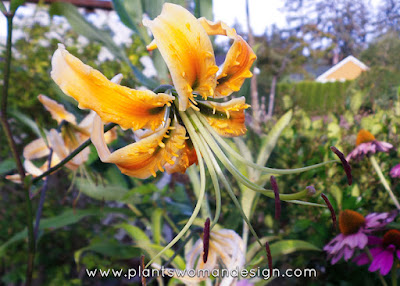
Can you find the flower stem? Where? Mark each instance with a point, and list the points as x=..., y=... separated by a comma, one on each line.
x=383, y=181
x=14, y=151
x=394, y=272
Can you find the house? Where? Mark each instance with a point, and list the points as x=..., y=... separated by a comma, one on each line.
x=348, y=69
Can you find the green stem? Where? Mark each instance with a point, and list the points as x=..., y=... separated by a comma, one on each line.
x=267, y=170
x=70, y=156
x=383, y=181
x=14, y=151
x=394, y=272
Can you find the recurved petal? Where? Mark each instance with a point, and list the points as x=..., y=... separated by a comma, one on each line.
x=238, y=62
x=217, y=28
x=36, y=149
x=145, y=157
x=236, y=67
x=227, y=118
x=187, y=157
x=187, y=51
x=56, y=110
x=127, y=107
x=61, y=150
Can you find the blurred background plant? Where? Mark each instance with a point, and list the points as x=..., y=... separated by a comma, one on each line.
x=99, y=218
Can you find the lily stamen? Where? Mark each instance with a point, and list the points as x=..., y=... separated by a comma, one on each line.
x=277, y=200
x=206, y=239
x=345, y=164
x=330, y=207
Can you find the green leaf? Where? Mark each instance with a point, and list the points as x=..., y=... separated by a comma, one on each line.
x=83, y=27
x=152, y=7
x=68, y=217
x=15, y=5
x=283, y=247
x=156, y=225
x=203, y=8
x=3, y=8
x=269, y=141
x=136, y=233
x=98, y=192
x=27, y=121
x=111, y=248
x=7, y=165
x=130, y=12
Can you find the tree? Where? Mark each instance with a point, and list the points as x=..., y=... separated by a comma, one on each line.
x=326, y=24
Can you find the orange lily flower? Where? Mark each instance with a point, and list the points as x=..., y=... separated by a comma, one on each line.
x=186, y=48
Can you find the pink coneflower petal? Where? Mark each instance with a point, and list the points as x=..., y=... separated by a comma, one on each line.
x=395, y=171
x=376, y=221
x=382, y=261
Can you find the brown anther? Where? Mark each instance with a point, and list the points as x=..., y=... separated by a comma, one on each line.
x=277, y=199
x=269, y=256
x=142, y=266
x=345, y=164
x=206, y=239
x=350, y=221
x=329, y=205
x=392, y=236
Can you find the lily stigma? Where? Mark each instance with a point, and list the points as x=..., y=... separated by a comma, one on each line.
x=181, y=124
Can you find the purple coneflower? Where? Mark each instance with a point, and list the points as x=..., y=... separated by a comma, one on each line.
x=354, y=229
x=384, y=254
x=395, y=172
x=366, y=144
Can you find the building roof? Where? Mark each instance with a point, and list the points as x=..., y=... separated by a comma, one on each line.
x=347, y=69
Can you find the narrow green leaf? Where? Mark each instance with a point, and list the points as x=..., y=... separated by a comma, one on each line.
x=68, y=217
x=156, y=225
x=98, y=192
x=3, y=8
x=270, y=140
x=15, y=5
x=27, y=121
x=7, y=165
x=111, y=248
x=203, y=8
x=83, y=27
x=136, y=233
x=152, y=7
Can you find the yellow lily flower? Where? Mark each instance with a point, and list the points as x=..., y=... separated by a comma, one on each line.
x=226, y=251
x=185, y=45
x=63, y=143
x=180, y=130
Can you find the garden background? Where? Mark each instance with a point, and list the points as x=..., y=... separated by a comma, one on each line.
x=97, y=217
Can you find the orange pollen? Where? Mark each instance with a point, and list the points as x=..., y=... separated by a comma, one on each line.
x=392, y=237
x=364, y=136
x=350, y=222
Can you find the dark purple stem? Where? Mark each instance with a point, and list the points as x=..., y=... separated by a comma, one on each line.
x=269, y=256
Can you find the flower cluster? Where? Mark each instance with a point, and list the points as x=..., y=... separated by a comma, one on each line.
x=354, y=231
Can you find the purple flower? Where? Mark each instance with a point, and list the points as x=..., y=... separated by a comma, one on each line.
x=395, y=172
x=384, y=254
x=366, y=144
x=354, y=229
x=244, y=282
